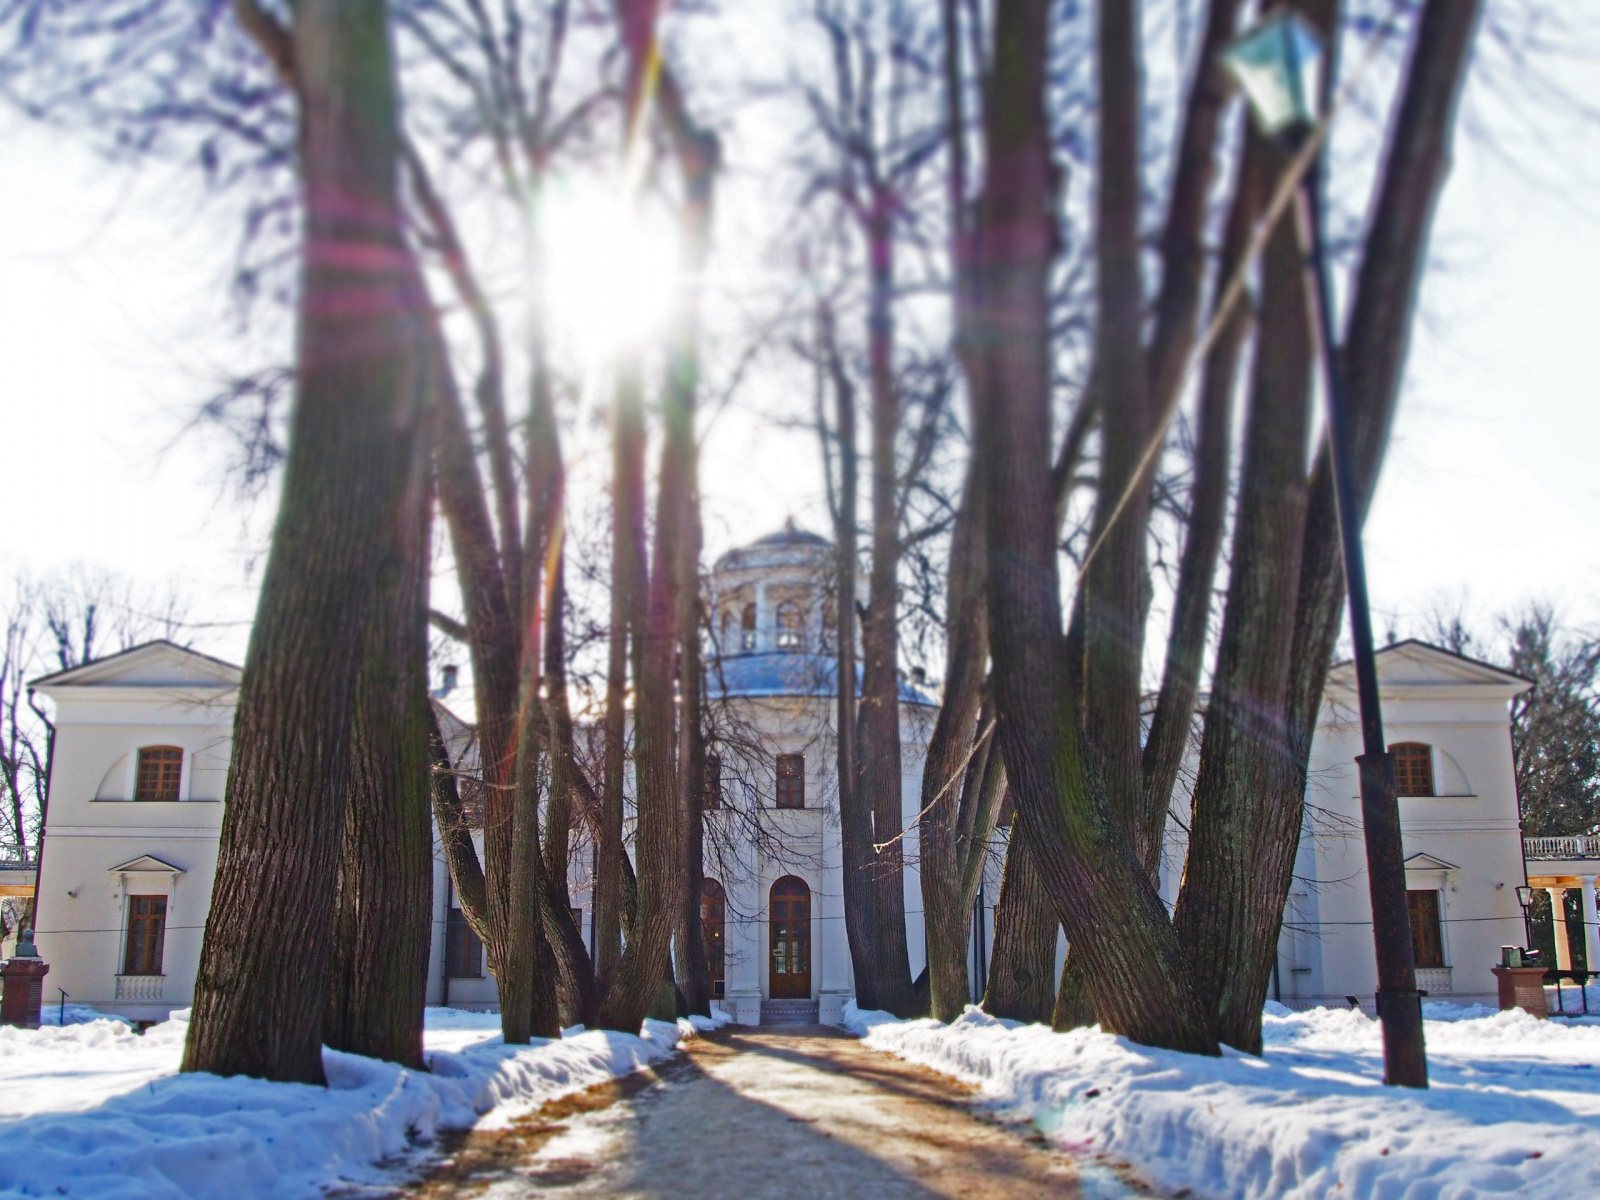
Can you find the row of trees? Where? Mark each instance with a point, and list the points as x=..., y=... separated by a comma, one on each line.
x=978, y=188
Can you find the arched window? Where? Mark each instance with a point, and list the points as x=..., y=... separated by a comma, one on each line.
x=160, y=773
x=791, y=626
x=790, y=976
x=711, y=792
x=713, y=923
x=747, y=627
x=1413, y=768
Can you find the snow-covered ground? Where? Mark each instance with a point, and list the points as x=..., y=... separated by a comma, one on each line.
x=93, y=1111
x=1514, y=1106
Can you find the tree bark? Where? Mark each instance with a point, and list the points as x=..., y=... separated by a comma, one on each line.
x=383, y=927
x=1238, y=830
x=879, y=717
x=1135, y=972
x=1022, y=969
x=942, y=850
x=360, y=387
x=855, y=814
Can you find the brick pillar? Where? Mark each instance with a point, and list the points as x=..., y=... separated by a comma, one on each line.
x=24, y=990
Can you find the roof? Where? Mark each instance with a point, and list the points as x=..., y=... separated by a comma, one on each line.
x=153, y=664
x=1415, y=662
x=787, y=546
x=752, y=675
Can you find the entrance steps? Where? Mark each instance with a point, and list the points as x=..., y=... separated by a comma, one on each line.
x=789, y=1012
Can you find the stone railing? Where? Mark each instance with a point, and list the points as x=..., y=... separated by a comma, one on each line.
x=1434, y=980
x=139, y=987
x=1582, y=846
x=16, y=858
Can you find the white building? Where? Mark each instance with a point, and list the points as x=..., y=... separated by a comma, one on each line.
x=144, y=739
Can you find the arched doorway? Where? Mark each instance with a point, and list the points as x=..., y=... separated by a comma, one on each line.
x=791, y=939
x=713, y=925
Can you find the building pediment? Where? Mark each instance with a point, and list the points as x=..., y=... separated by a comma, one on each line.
x=154, y=664
x=1416, y=664
x=146, y=864
x=1427, y=862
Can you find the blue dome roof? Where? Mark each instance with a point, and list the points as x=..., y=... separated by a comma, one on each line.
x=751, y=675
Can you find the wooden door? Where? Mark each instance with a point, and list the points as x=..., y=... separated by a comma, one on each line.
x=713, y=926
x=791, y=939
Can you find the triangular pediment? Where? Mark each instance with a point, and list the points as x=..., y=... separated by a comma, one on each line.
x=146, y=864
x=1427, y=862
x=154, y=664
x=1413, y=663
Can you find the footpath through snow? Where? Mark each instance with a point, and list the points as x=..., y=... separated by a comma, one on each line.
x=1514, y=1106
x=94, y=1111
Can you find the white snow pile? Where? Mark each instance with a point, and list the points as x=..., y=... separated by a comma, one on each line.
x=93, y=1111
x=1514, y=1105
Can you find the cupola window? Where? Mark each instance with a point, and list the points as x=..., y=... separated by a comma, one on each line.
x=747, y=627
x=791, y=627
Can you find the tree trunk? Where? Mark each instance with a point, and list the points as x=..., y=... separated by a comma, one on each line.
x=1238, y=831
x=261, y=989
x=1135, y=972
x=1022, y=969
x=1173, y=721
x=383, y=928
x=943, y=852
x=879, y=718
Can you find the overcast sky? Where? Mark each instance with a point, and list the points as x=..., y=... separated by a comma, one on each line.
x=113, y=324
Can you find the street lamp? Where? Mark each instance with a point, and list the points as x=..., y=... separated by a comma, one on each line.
x=1278, y=64
x=1525, y=898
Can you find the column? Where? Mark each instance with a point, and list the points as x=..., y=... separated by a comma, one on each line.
x=1591, y=927
x=1558, y=913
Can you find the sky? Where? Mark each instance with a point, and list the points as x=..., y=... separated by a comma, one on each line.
x=114, y=323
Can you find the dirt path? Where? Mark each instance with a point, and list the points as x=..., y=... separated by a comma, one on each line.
x=747, y=1115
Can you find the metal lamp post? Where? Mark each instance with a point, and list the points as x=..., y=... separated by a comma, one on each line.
x=1525, y=899
x=1279, y=65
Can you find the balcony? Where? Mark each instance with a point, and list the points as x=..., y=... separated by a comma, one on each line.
x=139, y=987
x=1434, y=980
x=1579, y=847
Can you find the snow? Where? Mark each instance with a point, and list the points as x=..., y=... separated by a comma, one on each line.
x=93, y=1110
x=1514, y=1105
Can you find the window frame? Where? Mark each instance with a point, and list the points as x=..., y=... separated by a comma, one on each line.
x=747, y=626
x=1413, y=917
x=789, y=627
x=1406, y=778
x=790, y=776
x=162, y=777
x=148, y=932
x=462, y=947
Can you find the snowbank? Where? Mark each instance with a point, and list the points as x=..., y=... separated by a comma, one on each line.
x=1514, y=1106
x=93, y=1110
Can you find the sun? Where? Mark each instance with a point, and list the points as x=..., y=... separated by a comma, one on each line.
x=612, y=272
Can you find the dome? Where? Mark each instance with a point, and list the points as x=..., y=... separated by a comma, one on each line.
x=789, y=546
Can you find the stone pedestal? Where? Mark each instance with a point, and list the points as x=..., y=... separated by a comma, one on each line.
x=24, y=991
x=1522, y=987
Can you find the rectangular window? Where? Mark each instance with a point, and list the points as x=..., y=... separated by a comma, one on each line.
x=711, y=800
x=463, y=952
x=1427, y=941
x=791, y=781
x=160, y=772
x=147, y=935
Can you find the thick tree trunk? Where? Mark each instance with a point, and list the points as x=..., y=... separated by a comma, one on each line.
x=628, y=574
x=360, y=386
x=383, y=928
x=1375, y=349
x=1136, y=976
x=1022, y=969
x=943, y=852
x=879, y=718
x=1238, y=831
x=855, y=813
